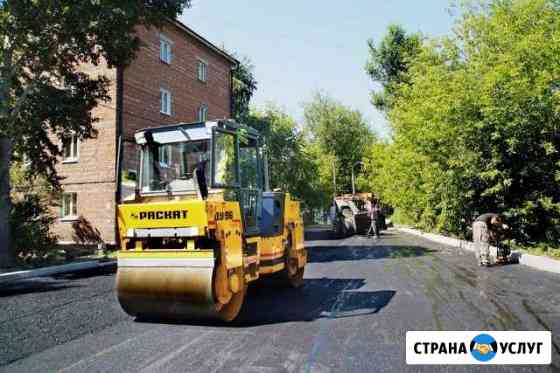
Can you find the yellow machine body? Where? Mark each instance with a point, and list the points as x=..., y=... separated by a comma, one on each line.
x=186, y=258
x=208, y=275
x=201, y=227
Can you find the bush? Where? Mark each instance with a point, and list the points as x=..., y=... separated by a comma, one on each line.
x=31, y=221
x=400, y=217
x=31, y=218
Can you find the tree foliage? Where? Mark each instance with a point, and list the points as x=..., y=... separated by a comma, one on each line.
x=301, y=158
x=44, y=95
x=292, y=165
x=339, y=136
x=244, y=86
x=476, y=127
x=44, y=42
x=388, y=63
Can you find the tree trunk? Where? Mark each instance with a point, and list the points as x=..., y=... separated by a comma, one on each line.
x=6, y=254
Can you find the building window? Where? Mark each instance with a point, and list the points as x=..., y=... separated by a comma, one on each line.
x=164, y=49
x=70, y=149
x=202, y=71
x=164, y=155
x=69, y=206
x=165, y=101
x=202, y=114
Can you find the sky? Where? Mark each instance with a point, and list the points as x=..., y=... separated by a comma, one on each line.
x=301, y=47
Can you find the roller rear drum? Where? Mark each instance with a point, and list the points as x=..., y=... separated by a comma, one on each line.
x=180, y=293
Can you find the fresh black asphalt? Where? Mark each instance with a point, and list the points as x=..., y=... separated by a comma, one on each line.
x=359, y=298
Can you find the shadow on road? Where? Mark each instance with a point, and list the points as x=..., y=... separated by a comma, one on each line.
x=325, y=232
x=60, y=282
x=29, y=287
x=317, y=233
x=87, y=273
x=318, y=298
x=326, y=254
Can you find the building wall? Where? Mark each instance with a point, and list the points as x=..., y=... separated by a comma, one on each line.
x=96, y=209
x=144, y=78
x=148, y=74
x=93, y=176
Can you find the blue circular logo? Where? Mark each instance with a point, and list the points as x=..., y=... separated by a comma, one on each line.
x=484, y=347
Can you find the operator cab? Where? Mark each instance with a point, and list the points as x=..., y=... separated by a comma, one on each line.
x=204, y=160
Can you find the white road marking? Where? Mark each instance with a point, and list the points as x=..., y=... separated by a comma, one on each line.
x=102, y=352
x=160, y=363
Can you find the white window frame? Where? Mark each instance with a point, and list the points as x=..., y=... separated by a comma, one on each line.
x=74, y=150
x=165, y=104
x=202, y=70
x=72, y=208
x=202, y=113
x=165, y=49
x=165, y=151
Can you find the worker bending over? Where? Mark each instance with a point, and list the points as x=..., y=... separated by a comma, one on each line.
x=487, y=228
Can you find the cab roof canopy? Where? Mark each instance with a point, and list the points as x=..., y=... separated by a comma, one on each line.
x=196, y=131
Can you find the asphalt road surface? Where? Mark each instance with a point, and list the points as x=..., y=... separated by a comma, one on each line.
x=359, y=299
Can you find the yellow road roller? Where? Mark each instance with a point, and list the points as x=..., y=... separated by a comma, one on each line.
x=202, y=224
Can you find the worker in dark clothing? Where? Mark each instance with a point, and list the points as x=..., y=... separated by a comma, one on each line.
x=487, y=229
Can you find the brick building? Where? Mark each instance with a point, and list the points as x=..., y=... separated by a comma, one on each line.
x=177, y=76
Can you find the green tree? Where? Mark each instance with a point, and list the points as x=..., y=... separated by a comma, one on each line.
x=292, y=166
x=339, y=135
x=476, y=128
x=43, y=92
x=389, y=61
x=244, y=86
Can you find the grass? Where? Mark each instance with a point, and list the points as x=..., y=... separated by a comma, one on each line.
x=540, y=249
x=111, y=254
x=108, y=254
x=49, y=259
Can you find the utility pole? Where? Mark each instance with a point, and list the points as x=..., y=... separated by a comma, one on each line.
x=353, y=182
x=334, y=190
x=334, y=179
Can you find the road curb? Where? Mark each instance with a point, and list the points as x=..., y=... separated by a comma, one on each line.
x=538, y=262
x=55, y=270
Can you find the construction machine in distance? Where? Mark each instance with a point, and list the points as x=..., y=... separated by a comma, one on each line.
x=203, y=224
x=343, y=214
x=351, y=215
